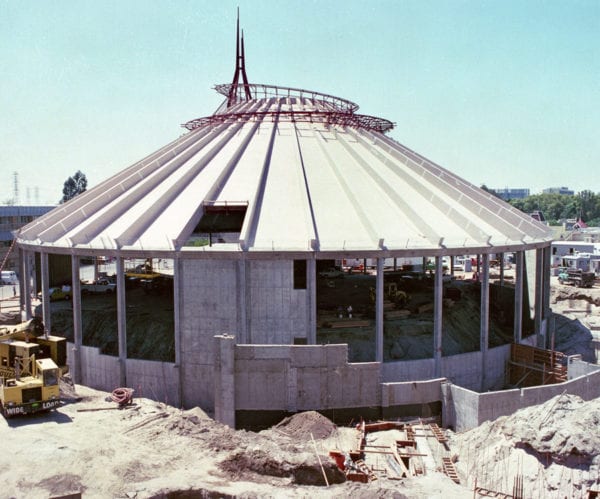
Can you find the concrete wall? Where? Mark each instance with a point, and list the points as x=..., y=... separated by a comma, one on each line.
x=209, y=305
x=292, y=378
x=302, y=377
x=151, y=379
x=463, y=369
x=408, y=370
x=154, y=380
x=411, y=393
x=97, y=370
x=468, y=409
x=260, y=307
x=577, y=367
x=278, y=312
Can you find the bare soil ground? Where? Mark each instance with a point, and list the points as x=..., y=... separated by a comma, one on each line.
x=151, y=450
x=554, y=447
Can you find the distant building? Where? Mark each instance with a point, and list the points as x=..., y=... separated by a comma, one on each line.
x=559, y=190
x=538, y=215
x=507, y=193
x=12, y=218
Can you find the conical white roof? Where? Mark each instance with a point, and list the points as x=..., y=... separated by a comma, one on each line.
x=311, y=175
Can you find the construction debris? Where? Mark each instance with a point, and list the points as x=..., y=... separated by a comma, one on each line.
x=399, y=451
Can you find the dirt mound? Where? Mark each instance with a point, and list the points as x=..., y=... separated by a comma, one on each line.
x=557, y=439
x=573, y=338
x=561, y=293
x=561, y=430
x=304, y=424
x=301, y=468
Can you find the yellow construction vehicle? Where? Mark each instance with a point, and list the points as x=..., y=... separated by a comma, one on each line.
x=37, y=391
x=29, y=372
x=41, y=345
x=397, y=296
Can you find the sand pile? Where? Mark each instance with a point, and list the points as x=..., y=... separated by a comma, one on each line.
x=555, y=447
x=304, y=424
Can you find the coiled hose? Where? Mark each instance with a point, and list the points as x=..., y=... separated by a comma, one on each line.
x=122, y=396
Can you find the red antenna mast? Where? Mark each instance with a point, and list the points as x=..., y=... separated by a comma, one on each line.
x=235, y=94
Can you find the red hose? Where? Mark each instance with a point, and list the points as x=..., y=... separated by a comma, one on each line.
x=122, y=396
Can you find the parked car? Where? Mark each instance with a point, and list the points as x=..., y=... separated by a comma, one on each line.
x=60, y=293
x=331, y=273
x=101, y=285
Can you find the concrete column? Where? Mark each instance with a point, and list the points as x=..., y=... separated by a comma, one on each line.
x=311, y=281
x=225, y=379
x=177, y=324
x=121, y=321
x=242, y=333
x=46, y=316
x=437, y=317
x=26, y=289
x=248, y=298
x=176, y=309
x=547, y=314
x=539, y=305
x=379, y=312
x=77, y=323
x=518, y=324
x=22, y=283
x=501, y=260
x=485, y=315
x=34, y=283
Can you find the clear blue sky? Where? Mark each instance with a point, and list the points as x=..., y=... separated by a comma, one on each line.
x=503, y=93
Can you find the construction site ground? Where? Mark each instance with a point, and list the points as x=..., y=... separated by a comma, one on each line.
x=149, y=449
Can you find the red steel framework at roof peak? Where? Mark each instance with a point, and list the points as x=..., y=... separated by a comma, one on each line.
x=291, y=104
x=305, y=106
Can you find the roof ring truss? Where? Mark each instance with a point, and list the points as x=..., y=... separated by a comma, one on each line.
x=328, y=109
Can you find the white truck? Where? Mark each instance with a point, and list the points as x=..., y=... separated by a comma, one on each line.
x=98, y=286
x=9, y=277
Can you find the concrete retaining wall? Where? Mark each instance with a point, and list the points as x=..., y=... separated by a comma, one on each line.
x=577, y=367
x=408, y=370
x=97, y=370
x=469, y=409
x=284, y=379
x=302, y=377
x=463, y=369
x=151, y=379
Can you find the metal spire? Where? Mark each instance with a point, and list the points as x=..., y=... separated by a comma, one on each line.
x=240, y=67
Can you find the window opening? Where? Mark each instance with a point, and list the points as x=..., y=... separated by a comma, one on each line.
x=299, y=274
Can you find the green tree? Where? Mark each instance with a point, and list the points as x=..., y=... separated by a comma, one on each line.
x=74, y=185
x=556, y=207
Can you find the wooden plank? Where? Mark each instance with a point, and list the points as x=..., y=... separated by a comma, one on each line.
x=405, y=471
x=343, y=324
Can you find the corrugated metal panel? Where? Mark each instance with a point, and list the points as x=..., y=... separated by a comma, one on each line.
x=308, y=184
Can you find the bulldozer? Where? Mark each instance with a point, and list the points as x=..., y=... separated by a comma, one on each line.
x=397, y=296
x=31, y=365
